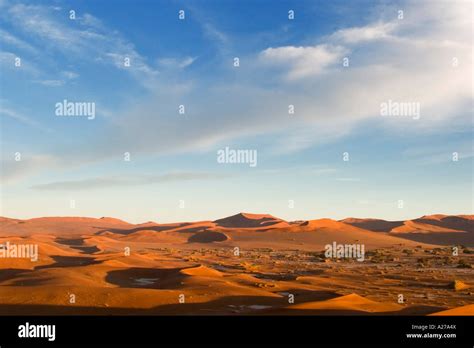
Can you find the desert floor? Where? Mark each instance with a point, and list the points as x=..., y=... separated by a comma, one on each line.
x=245, y=264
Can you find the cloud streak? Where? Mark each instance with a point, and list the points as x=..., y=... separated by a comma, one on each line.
x=303, y=61
x=85, y=37
x=126, y=181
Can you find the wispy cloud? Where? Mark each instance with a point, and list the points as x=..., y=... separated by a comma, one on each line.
x=85, y=37
x=303, y=61
x=436, y=154
x=371, y=32
x=175, y=63
x=7, y=39
x=13, y=171
x=125, y=181
x=8, y=61
x=20, y=117
x=220, y=39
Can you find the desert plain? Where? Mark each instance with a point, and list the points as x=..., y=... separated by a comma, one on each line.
x=246, y=264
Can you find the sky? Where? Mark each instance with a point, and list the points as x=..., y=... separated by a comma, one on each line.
x=139, y=64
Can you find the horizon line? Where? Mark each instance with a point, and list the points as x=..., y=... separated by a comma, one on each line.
x=239, y=213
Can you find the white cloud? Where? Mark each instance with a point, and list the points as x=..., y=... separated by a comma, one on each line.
x=303, y=61
x=175, y=63
x=71, y=75
x=370, y=32
x=51, y=83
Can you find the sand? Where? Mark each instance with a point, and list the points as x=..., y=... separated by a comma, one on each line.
x=246, y=264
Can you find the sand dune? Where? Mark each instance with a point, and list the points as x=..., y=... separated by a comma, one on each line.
x=425, y=224
x=113, y=267
x=201, y=271
x=352, y=302
x=255, y=221
x=376, y=225
x=415, y=226
x=431, y=229
x=464, y=310
x=58, y=226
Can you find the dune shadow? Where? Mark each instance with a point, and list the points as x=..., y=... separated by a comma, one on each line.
x=11, y=273
x=30, y=282
x=273, y=306
x=78, y=244
x=440, y=238
x=69, y=261
x=208, y=237
x=146, y=278
x=126, y=231
x=275, y=276
x=454, y=222
x=70, y=242
x=303, y=295
x=228, y=306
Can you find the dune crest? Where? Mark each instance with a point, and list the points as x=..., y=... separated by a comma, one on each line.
x=247, y=220
x=351, y=302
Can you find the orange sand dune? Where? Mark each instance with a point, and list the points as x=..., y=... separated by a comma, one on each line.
x=413, y=226
x=460, y=222
x=113, y=267
x=464, y=310
x=246, y=220
x=425, y=224
x=59, y=226
x=352, y=302
x=376, y=225
x=150, y=236
x=201, y=271
x=431, y=229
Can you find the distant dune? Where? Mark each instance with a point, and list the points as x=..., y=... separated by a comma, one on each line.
x=432, y=229
x=375, y=225
x=255, y=221
x=58, y=225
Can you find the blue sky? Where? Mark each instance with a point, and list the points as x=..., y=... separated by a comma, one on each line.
x=421, y=55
